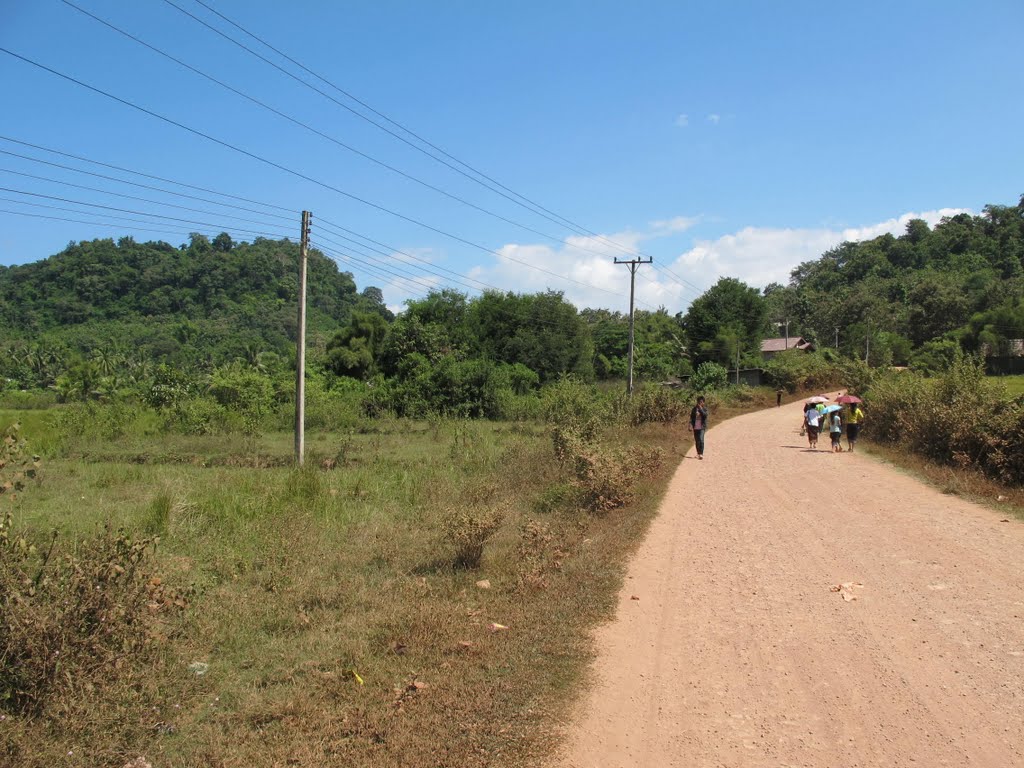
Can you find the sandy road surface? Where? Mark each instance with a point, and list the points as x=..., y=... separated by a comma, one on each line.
x=738, y=654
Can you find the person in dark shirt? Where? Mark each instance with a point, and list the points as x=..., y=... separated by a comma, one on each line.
x=699, y=423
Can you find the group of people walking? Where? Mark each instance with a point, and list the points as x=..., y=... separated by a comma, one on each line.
x=820, y=417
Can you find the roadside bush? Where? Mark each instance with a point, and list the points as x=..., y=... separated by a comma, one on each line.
x=959, y=418
x=568, y=404
x=709, y=376
x=653, y=405
x=603, y=478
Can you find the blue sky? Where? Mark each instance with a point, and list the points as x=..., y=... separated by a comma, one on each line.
x=720, y=138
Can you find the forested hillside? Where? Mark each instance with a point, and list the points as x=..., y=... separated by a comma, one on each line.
x=102, y=317
x=917, y=297
x=199, y=304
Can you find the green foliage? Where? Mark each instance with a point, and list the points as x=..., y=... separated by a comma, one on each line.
x=729, y=317
x=243, y=391
x=795, y=370
x=897, y=294
x=709, y=376
x=355, y=348
x=936, y=356
x=958, y=417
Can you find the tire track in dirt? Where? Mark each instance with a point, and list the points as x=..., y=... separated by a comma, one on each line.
x=737, y=652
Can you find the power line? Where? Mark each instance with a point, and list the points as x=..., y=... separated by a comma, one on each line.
x=121, y=194
x=136, y=213
x=299, y=174
x=144, y=175
x=329, y=225
x=536, y=208
x=497, y=187
x=323, y=135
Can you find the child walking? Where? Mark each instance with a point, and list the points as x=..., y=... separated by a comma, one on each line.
x=836, y=432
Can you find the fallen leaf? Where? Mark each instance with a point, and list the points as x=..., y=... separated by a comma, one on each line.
x=496, y=627
x=634, y=597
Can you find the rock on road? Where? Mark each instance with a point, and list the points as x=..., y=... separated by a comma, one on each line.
x=738, y=652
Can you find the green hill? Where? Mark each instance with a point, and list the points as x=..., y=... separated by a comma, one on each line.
x=201, y=303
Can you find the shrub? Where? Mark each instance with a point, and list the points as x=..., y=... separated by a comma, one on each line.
x=467, y=531
x=69, y=621
x=654, y=404
x=796, y=370
x=709, y=376
x=958, y=418
x=603, y=478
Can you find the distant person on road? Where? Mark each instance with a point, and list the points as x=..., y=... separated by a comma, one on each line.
x=699, y=423
x=812, y=423
x=853, y=422
x=778, y=398
x=836, y=431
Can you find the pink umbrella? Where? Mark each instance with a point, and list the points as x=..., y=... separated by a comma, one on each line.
x=845, y=399
x=818, y=399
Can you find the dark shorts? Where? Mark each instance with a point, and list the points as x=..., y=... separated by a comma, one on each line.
x=852, y=430
x=835, y=437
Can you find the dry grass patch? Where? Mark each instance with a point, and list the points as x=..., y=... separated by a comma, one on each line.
x=427, y=601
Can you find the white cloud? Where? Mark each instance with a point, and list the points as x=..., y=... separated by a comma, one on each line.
x=755, y=255
x=714, y=118
x=682, y=121
x=761, y=255
x=670, y=226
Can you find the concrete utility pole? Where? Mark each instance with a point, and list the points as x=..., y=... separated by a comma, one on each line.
x=633, y=264
x=837, y=337
x=784, y=323
x=300, y=347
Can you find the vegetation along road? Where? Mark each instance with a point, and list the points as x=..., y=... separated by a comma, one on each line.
x=798, y=608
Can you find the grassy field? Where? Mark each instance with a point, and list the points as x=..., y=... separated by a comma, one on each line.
x=322, y=616
x=1014, y=384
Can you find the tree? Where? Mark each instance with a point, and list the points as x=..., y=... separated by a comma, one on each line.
x=223, y=243
x=353, y=350
x=727, y=315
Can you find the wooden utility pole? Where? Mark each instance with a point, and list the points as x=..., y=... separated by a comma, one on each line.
x=737, y=361
x=300, y=347
x=633, y=264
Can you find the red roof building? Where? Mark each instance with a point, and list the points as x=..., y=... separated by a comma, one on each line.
x=771, y=347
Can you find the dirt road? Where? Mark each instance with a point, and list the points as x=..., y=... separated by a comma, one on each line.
x=738, y=653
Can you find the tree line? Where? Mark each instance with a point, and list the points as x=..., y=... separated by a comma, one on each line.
x=103, y=318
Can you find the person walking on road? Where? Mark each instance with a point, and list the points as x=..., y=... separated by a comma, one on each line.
x=699, y=423
x=836, y=431
x=853, y=422
x=812, y=422
x=778, y=397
